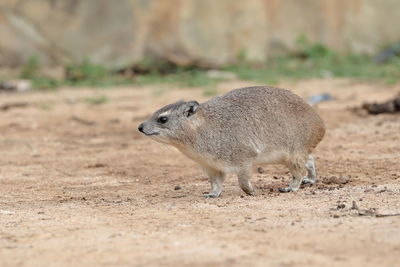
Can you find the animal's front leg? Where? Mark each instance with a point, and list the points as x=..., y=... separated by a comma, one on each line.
x=216, y=179
x=244, y=176
x=296, y=170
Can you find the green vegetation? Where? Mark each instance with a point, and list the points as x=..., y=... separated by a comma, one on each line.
x=31, y=68
x=96, y=100
x=89, y=74
x=83, y=74
x=31, y=71
x=313, y=60
x=317, y=61
x=181, y=78
x=353, y=66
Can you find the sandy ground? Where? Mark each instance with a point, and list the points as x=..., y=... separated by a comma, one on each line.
x=79, y=186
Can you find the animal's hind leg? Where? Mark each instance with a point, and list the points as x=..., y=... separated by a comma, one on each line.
x=244, y=181
x=216, y=179
x=311, y=177
x=296, y=170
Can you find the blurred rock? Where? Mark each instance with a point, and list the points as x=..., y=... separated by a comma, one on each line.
x=177, y=187
x=12, y=105
x=191, y=32
x=387, y=54
x=260, y=170
x=315, y=99
x=15, y=86
x=390, y=106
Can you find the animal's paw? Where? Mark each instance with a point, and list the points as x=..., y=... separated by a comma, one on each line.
x=250, y=192
x=307, y=180
x=210, y=195
x=285, y=189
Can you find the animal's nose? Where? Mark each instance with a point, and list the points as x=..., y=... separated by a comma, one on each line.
x=140, y=128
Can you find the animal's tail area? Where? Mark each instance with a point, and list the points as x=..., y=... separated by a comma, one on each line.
x=316, y=136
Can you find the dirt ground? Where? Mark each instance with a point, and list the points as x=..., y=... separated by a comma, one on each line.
x=79, y=186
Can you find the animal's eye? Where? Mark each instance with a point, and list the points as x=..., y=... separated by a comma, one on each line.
x=162, y=120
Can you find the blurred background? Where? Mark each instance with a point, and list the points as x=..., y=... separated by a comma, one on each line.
x=80, y=186
x=102, y=42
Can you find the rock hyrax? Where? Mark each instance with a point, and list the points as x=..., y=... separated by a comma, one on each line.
x=247, y=126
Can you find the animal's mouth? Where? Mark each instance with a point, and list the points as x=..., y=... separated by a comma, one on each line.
x=150, y=134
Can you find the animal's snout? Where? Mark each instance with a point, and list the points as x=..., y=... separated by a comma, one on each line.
x=140, y=128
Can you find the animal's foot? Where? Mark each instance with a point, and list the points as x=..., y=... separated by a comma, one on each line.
x=285, y=189
x=307, y=180
x=211, y=195
x=249, y=192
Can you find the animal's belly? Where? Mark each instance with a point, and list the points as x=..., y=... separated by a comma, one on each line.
x=209, y=161
x=272, y=157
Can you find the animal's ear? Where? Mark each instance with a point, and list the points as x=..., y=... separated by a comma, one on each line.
x=191, y=108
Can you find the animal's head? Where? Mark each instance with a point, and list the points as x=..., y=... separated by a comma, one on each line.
x=168, y=124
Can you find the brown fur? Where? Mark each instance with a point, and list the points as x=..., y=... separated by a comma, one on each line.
x=246, y=126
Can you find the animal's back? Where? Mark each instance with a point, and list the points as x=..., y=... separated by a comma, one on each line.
x=258, y=119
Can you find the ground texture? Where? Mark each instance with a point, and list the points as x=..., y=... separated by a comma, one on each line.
x=79, y=186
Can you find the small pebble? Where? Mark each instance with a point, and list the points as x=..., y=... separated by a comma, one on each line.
x=340, y=206
x=178, y=187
